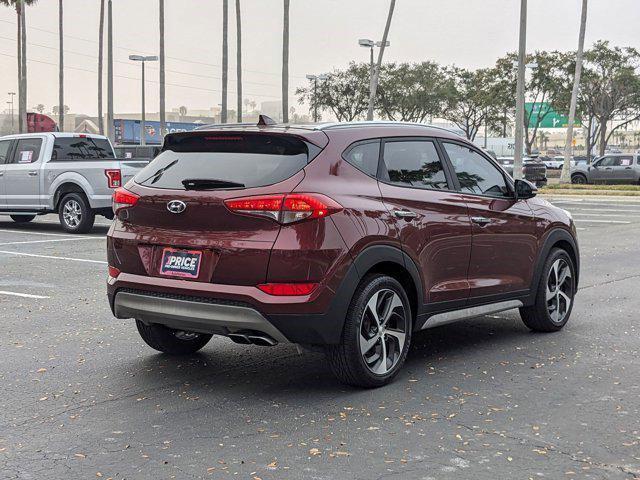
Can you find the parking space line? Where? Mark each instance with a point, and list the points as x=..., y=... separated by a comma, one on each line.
x=23, y=295
x=587, y=220
x=28, y=232
x=586, y=214
x=53, y=257
x=49, y=241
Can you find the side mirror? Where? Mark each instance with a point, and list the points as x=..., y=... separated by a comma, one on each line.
x=525, y=189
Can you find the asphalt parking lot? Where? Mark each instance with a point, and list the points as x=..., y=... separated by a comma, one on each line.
x=83, y=397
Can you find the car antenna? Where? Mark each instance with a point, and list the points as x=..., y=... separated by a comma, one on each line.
x=266, y=121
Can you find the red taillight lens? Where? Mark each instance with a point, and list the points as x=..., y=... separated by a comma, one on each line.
x=285, y=208
x=113, y=272
x=288, y=289
x=123, y=199
x=114, y=178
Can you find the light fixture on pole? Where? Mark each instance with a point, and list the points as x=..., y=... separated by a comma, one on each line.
x=315, y=79
x=370, y=44
x=143, y=59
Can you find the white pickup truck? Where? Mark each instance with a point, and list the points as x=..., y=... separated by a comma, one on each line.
x=71, y=174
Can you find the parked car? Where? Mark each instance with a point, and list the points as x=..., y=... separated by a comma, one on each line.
x=615, y=168
x=532, y=169
x=349, y=237
x=71, y=174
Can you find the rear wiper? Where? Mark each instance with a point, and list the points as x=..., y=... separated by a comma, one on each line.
x=209, y=184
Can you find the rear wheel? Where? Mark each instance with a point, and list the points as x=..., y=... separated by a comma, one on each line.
x=22, y=218
x=554, y=297
x=173, y=342
x=579, y=179
x=376, y=335
x=75, y=213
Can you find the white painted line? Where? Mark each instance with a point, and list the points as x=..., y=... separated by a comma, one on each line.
x=587, y=220
x=620, y=210
x=49, y=241
x=7, y=230
x=578, y=214
x=53, y=257
x=22, y=295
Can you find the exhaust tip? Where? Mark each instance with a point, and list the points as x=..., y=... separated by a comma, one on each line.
x=239, y=338
x=262, y=340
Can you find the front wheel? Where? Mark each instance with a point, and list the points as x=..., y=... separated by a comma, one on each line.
x=75, y=213
x=554, y=296
x=376, y=335
x=22, y=218
x=173, y=342
x=579, y=179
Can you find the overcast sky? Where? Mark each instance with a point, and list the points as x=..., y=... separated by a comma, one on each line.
x=324, y=34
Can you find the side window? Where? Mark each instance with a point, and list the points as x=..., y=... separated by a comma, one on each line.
x=27, y=150
x=413, y=163
x=606, y=162
x=5, y=145
x=475, y=173
x=364, y=157
x=625, y=161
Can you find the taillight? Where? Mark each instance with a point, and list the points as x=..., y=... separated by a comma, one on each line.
x=285, y=208
x=288, y=289
x=114, y=178
x=113, y=272
x=123, y=199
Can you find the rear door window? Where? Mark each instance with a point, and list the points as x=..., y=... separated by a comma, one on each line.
x=212, y=161
x=413, y=163
x=364, y=157
x=81, y=148
x=27, y=150
x=5, y=146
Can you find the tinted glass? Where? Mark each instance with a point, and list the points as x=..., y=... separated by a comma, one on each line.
x=4, y=150
x=27, y=150
x=226, y=161
x=413, y=164
x=364, y=157
x=77, y=148
x=625, y=161
x=475, y=173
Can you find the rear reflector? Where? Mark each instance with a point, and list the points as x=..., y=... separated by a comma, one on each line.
x=113, y=272
x=123, y=199
x=114, y=178
x=285, y=208
x=288, y=289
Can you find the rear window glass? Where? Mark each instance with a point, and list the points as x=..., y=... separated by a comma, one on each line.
x=27, y=150
x=225, y=161
x=79, y=148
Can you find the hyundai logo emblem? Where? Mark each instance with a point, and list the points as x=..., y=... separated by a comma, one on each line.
x=176, y=206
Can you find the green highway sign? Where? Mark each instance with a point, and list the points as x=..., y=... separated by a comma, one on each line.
x=543, y=115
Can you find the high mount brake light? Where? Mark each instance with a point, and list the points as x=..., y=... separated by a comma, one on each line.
x=123, y=199
x=285, y=209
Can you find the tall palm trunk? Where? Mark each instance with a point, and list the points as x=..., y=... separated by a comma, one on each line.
x=163, y=125
x=61, y=66
x=376, y=72
x=19, y=24
x=239, y=58
x=285, y=63
x=23, y=100
x=225, y=59
x=100, y=68
x=565, y=177
x=110, y=125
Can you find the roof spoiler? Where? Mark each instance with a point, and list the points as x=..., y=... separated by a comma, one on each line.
x=266, y=121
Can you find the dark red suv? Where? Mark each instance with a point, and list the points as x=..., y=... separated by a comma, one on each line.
x=346, y=236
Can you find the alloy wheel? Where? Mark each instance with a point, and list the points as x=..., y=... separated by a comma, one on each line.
x=383, y=330
x=72, y=213
x=559, y=292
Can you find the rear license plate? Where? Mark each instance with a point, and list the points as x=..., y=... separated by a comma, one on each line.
x=180, y=263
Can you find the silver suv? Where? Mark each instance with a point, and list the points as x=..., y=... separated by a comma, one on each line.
x=621, y=168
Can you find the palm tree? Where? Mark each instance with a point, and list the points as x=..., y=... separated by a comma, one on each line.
x=61, y=65
x=225, y=59
x=163, y=126
x=239, y=58
x=565, y=176
x=285, y=63
x=376, y=71
x=100, y=68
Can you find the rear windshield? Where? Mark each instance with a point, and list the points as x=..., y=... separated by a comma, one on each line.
x=225, y=161
x=81, y=148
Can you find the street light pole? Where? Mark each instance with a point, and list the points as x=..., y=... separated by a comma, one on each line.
x=519, y=140
x=143, y=59
x=370, y=44
x=315, y=79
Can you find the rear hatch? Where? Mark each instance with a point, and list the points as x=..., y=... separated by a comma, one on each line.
x=180, y=217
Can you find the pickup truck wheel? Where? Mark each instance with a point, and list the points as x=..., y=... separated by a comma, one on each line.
x=579, y=179
x=173, y=342
x=22, y=218
x=75, y=213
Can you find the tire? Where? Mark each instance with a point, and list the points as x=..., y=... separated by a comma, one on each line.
x=542, y=316
x=22, y=218
x=75, y=214
x=367, y=369
x=579, y=179
x=172, y=342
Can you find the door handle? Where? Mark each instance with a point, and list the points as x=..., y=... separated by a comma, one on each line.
x=33, y=173
x=406, y=214
x=482, y=221
x=627, y=168
x=1, y=174
x=608, y=168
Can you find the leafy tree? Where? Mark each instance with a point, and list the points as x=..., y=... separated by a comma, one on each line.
x=411, y=92
x=345, y=93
